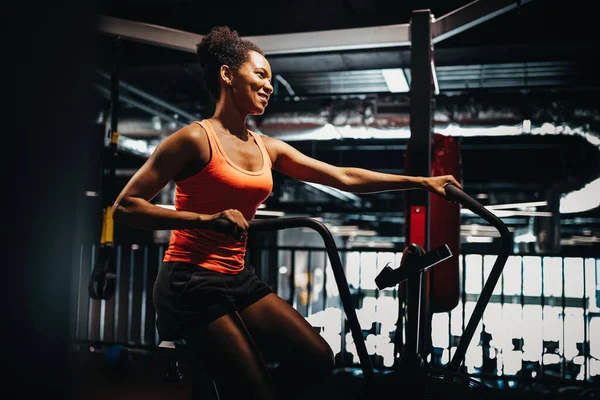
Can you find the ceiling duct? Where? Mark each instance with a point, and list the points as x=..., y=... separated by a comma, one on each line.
x=299, y=120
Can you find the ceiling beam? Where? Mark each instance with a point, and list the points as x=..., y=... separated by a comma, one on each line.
x=470, y=15
x=288, y=43
x=397, y=35
x=148, y=33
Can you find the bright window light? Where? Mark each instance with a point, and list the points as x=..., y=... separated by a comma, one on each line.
x=395, y=80
x=581, y=200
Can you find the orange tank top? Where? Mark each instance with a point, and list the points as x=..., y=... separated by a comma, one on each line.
x=221, y=185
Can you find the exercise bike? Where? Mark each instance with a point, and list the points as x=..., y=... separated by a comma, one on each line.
x=411, y=370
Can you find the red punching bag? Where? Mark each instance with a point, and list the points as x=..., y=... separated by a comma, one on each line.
x=442, y=289
x=444, y=226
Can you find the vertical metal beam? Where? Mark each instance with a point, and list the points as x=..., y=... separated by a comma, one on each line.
x=419, y=164
x=421, y=108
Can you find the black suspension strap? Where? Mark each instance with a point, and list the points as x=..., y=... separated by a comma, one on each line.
x=102, y=284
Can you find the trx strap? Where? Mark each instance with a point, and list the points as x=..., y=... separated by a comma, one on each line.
x=102, y=284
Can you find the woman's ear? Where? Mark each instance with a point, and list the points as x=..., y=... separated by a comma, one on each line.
x=226, y=74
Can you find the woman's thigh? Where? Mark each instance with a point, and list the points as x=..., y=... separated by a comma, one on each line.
x=283, y=334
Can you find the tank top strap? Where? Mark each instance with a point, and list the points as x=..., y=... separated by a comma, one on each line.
x=212, y=140
x=263, y=149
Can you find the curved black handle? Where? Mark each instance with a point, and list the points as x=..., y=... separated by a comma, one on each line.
x=222, y=225
x=453, y=193
x=256, y=225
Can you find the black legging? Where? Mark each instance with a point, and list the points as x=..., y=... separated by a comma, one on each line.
x=235, y=346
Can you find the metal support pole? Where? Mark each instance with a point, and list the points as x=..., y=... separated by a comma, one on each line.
x=419, y=159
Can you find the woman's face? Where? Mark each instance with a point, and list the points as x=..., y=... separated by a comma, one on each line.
x=252, y=84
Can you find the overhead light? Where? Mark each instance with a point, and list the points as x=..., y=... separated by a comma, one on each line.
x=269, y=213
x=479, y=239
x=395, y=80
x=585, y=199
x=514, y=209
x=580, y=240
x=510, y=213
x=517, y=205
x=374, y=243
x=350, y=230
x=480, y=230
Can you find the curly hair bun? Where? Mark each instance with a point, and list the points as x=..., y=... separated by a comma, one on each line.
x=219, y=41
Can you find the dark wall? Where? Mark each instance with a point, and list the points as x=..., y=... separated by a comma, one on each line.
x=52, y=56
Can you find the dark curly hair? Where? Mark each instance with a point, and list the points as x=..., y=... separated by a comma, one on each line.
x=221, y=46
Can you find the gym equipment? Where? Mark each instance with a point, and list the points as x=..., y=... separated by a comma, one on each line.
x=177, y=351
x=102, y=285
x=410, y=369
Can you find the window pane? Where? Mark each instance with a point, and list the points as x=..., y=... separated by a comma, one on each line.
x=532, y=273
x=553, y=276
x=511, y=276
x=573, y=277
x=473, y=283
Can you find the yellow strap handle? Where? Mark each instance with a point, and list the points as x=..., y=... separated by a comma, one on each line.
x=107, y=223
x=107, y=227
x=115, y=137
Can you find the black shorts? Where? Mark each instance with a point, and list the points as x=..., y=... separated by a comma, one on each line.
x=186, y=296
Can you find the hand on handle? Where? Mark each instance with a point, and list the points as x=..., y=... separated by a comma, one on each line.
x=438, y=184
x=231, y=222
x=455, y=194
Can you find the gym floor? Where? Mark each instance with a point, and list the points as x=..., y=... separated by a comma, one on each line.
x=142, y=378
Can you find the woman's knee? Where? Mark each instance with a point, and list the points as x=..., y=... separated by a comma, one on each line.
x=326, y=359
x=321, y=361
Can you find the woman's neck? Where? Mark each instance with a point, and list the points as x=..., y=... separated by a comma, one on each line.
x=230, y=120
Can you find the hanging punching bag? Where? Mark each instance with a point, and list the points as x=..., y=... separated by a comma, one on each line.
x=444, y=226
x=442, y=287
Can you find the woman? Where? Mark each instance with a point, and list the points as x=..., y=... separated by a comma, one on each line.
x=203, y=292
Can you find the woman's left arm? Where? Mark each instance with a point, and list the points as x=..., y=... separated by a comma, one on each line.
x=293, y=163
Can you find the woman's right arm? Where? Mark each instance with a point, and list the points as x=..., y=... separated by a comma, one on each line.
x=133, y=207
